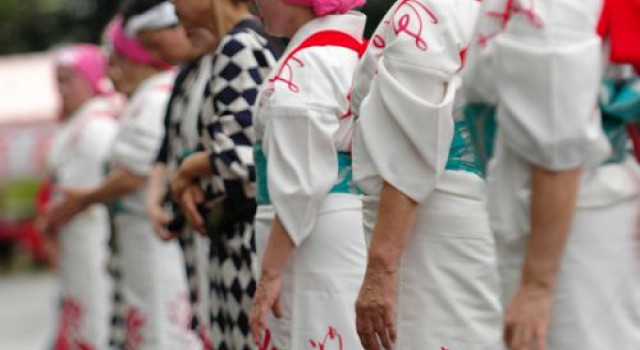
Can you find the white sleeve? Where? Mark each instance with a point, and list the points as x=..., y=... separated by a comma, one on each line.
x=98, y=137
x=139, y=141
x=548, y=74
x=302, y=164
x=406, y=122
x=95, y=146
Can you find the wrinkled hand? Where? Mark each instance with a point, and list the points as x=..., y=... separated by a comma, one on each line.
x=527, y=319
x=60, y=213
x=159, y=221
x=189, y=201
x=267, y=298
x=375, y=321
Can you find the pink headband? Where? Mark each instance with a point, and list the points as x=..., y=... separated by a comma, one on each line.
x=89, y=62
x=328, y=7
x=130, y=47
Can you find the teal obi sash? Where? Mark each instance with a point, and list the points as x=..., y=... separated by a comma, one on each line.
x=461, y=153
x=619, y=104
x=461, y=158
x=344, y=184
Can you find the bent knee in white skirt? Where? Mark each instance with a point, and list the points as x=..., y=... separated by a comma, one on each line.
x=321, y=280
x=448, y=288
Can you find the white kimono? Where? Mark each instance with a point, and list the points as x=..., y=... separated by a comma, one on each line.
x=539, y=65
x=304, y=128
x=405, y=99
x=77, y=158
x=158, y=312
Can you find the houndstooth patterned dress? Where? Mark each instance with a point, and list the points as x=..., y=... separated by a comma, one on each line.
x=240, y=64
x=181, y=139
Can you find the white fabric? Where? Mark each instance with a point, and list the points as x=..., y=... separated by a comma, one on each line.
x=447, y=296
x=404, y=94
x=77, y=158
x=301, y=122
x=321, y=279
x=597, y=294
x=189, y=124
x=141, y=131
x=158, y=312
x=204, y=282
x=160, y=16
x=544, y=67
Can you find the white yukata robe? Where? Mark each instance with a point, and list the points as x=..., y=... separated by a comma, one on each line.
x=405, y=100
x=304, y=127
x=77, y=158
x=157, y=311
x=538, y=67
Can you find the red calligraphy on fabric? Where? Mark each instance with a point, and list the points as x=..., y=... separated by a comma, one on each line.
x=284, y=74
x=332, y=337
x=503, y=16
x=411, y=22
x=69, y=337
x=181, y=314
x=134, y=322
x=266, y=342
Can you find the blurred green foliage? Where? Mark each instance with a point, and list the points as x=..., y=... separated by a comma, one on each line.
x=37, y=25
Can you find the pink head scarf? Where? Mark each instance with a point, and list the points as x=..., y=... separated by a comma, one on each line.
x=89, y=62
x=130, y=47
x=328, y=7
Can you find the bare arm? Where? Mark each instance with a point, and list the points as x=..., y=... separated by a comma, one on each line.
x=120, y=182
x=396, y=217
x=553, y=203
x=279, y=248
x=157, y=183
x=375, y=305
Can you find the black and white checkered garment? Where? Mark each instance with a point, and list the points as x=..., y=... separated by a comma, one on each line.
x=241, y=63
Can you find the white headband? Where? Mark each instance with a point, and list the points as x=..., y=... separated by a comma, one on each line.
x=160, y=16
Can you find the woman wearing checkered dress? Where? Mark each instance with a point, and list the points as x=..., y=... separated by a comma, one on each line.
x=219, y=178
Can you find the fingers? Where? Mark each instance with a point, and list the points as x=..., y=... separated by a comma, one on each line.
x=522, y=338
x=389, y=322
x=370, y=325
x=159, y=222
x=160, y=230
x=382, y=332
x=258, y=319
x=277, y=309
x=198, y=194
x=191, y=213
x=540, y=336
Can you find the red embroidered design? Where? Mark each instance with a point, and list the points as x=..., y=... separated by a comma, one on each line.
x=266, y=342
x=511, y=8
x=203, y=332
x=411, y=23
x=180, y=313
x=285, y=73
x=134, y=322
x=69, y=335
x=332, y=335
x=335, y=38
